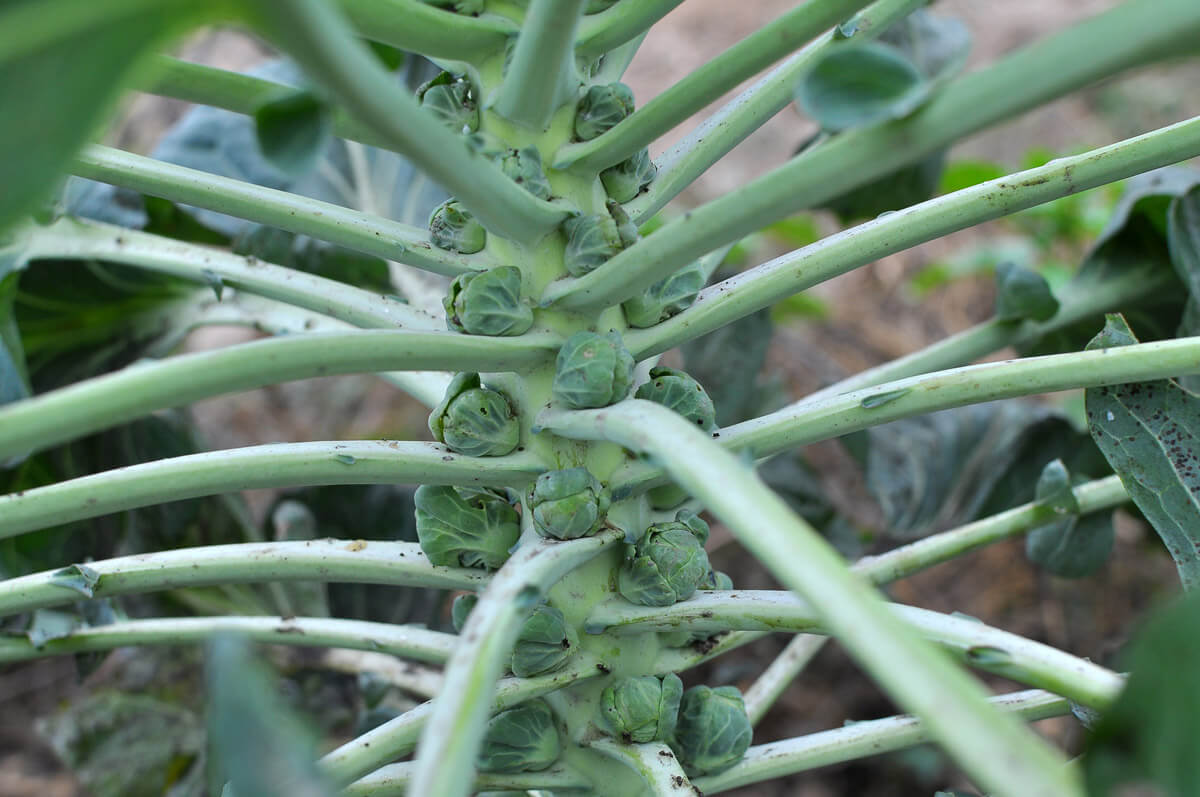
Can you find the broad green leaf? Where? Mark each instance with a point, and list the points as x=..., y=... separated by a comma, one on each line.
x=1070, y=546
x=1150, y=434
x=1133, y=242
x=937, y=48
x=861, y=84
x=1149, y=735
x=260, y=745
x=947, y=468
x=1023, y=293
x=293, y=130
x=58, y=86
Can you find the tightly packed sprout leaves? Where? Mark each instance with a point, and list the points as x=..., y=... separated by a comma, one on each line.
x=563, y=493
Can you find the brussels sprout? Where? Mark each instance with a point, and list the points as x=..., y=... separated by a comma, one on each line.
x=545, y=643
x=694, y=523
x=461, y=608
x=641, y=709
x=567, y=504
x=601, y=109
x=522, y=739
x=524, y=167
x=465, y=527
x=677, y=391
x=592, y=370
x=488, y=303
x=713, y=730
x=665, y=298
x=716, y=580
x=474, y=420
x=591, y=241
x=452, y=227
x=667, y=566
x=627, y=179
x=452, y=100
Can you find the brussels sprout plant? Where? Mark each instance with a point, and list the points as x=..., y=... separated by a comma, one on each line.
x=564, y=490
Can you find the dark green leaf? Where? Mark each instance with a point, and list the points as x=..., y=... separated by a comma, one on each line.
x=293, y=130
x=1149, y=433
x=1070, y=546
x=947, y=468
x=906, y=186
x=1149, y=735
x=860, y=85
x=260, y=745
x=1023, y=293
x=1133, y=243
x=56, y=90
x=730, y=360
x=123, y=745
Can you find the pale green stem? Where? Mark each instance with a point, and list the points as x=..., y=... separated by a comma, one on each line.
x=615, y=62
x=604, y=32
x=91, y=240
x=859, y=740
x=810, y=421
x=680, y=165
x=325, y=221
x=996, y=751
x=393, y=781
x=103, y=401
x=654, y=763
x=395, y=738
x=451, y=740
x=1139, y=31
x=542, y=72
x=400, y=564
x=900, y=562
x=837, y=254
x=417, y=27
x=1121, y=292
x=979, y=645
x=232, y=91
x=321, y=41
x=1093, y=496
x=707, y=83
x=407, y=641
x=275, y=465
x=903, y=561
x=807, y=422
x=275, y=318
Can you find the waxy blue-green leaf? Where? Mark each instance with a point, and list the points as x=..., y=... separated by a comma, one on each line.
x=261, y=746
x=1070, y=546
x=861, y=84
x=1149, y=735
x=293, y=130
x=1150, y=434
